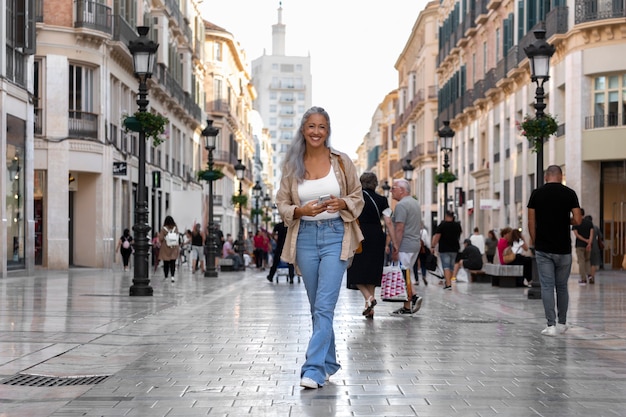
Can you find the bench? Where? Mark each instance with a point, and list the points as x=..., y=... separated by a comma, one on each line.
x=226, y=265
x=478, y=276
x=504, y=275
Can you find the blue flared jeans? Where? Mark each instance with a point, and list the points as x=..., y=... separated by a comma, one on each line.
x=553, y=270
x=318, y=250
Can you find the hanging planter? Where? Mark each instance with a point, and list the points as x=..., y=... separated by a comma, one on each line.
x=210, y=175
x=151, y=124
x=239, y=200
x=256, y=212
x=536, y=130
x=445, y=177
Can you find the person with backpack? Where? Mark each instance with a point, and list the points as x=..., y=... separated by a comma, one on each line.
x=170, y=246
x=125, y=246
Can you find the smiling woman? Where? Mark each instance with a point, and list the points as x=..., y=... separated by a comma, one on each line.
x=251, y=23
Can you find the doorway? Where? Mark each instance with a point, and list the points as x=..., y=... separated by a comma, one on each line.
x=614, y=213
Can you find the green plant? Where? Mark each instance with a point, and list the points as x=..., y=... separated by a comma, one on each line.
x=210, y=175
x=151, y=124
x=267, y=219
x=536, y=130
x=256, y=212
x=445, y=177
x=239, y=200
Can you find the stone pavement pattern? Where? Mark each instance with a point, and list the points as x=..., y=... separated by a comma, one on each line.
x=233, y=346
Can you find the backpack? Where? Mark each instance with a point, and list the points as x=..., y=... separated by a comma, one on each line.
x=126, y=243
x=171, y=238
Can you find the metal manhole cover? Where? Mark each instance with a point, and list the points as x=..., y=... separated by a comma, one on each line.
x=25, y=380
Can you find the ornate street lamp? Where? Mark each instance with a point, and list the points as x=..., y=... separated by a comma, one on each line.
x=210, y=137
x=386, y=189
x=257, y=190
x=240, y=170
x=267, y=202
x=408, y=170
x=143, y=51
x=446, y=134
x=539, y=54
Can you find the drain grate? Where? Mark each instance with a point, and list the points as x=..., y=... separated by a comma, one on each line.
x=25, y=380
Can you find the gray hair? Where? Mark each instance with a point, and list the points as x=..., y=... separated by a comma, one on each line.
x=402, y=183
x=293, y=163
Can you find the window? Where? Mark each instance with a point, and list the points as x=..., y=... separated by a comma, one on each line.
x=218, y=51
x=609, y=101
x=82, y=120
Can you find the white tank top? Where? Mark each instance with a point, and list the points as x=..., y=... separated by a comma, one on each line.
x=310, y=190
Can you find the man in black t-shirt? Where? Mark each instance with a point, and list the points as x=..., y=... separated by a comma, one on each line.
x=549, y=223
x=584, y=239
x=446, y=239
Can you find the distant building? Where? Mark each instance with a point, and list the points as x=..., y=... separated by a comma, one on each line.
x=284, y=86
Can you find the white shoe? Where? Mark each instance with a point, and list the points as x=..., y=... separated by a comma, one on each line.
x=309, y=383
x=561, y=328
x=549, y=331
x=173, y=279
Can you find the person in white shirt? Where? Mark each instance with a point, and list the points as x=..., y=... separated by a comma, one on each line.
x=478, y=240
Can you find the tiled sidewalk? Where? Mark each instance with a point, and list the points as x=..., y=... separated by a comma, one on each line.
x=233, y=346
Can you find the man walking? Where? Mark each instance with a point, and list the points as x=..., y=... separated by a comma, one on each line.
x=446, y=239
x=549, y=224
x=407, y=218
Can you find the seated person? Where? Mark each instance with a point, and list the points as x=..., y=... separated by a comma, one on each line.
x=470, y=258
x=228, y=252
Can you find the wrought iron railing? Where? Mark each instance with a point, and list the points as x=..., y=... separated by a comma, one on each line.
x=92, y=15
x=83, y=124
x=605, y=120
x=591, y=10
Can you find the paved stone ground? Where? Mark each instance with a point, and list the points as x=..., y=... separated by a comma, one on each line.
x=233, y=346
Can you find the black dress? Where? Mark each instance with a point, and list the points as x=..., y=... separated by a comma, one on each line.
x=367, y=266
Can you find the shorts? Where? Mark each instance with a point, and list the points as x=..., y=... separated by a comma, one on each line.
x=447, y=260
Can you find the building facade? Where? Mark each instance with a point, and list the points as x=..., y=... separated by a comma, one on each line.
x=229, y=97
x=85, y=163
x=284, y=85
x=17, y=46
x=485, y=91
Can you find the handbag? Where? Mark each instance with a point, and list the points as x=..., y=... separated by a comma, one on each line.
x=508, y=256
x=431, y=261
x=395, y=283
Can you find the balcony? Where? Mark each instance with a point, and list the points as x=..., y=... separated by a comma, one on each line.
x=176, y=92
x=605, y=120
x=92, y=15
x=123, y=32
x=225, y=158
x=592, y=10
x=83, y=125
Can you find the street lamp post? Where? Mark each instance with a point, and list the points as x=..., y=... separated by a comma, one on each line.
x=240, y=170
x=257, y=190
x=143, y=50
x=539, y=54
x=408, y=170
x=267, y=200
x=210, y=135
x=445, y=135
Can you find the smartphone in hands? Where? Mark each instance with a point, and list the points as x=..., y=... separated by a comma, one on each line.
x=323, y=198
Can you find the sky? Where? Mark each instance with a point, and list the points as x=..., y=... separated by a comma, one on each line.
x=354, y=45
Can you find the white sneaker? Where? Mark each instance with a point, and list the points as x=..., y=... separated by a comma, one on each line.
x=173, y=279
x=561, y=328
x=549, y=331
x=308, y=383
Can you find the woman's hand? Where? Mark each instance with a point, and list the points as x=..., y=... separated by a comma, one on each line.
x=335, y=204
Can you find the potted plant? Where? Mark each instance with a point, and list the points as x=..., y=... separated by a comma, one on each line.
x=536, y=130
x=151, y=124
x=445, y=177
x=210, y=174
x=239, y=200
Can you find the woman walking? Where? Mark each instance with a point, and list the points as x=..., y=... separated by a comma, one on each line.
x=170, y=246
x=125, y=246
x=319, y=199
x=367, y=267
